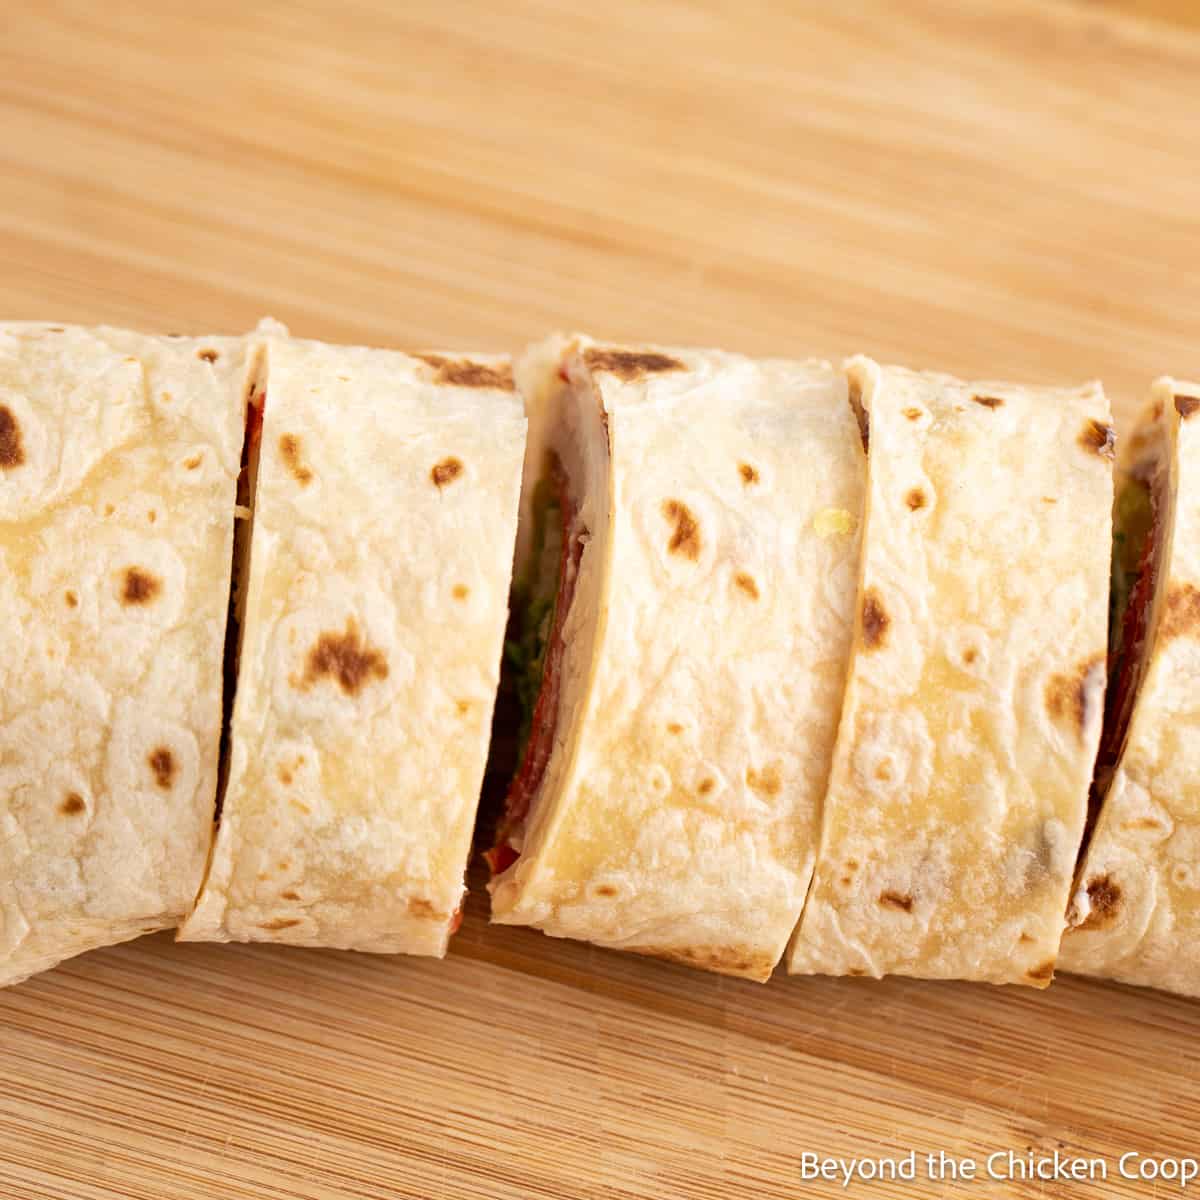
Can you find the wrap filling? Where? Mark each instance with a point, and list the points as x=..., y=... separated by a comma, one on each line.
x=1139, y=529
x=247, y=482
x=534, y=653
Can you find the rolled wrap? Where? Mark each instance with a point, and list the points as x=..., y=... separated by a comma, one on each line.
x=119, y=457
x=718, y=502
x=377, y=589
x=1136, y=911
x=973, y=707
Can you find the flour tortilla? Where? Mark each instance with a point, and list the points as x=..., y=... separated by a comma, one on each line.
x=118, y=460
x=1136, y=912
x=707, y=646
x=379, y=568
x=973, y=708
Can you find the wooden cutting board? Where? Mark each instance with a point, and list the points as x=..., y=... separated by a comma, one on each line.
x=998, y=187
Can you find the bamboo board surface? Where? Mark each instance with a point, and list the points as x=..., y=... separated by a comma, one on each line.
x=1000, y=188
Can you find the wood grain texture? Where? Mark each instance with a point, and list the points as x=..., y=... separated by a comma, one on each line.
x=981, y=185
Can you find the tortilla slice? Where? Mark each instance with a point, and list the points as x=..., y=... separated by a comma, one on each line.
x=691, y=587
x=1135, y=916
x=969, y=728
x=118, y=460
x=375, y=604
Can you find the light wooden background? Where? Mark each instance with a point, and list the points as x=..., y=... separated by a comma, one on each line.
x=992, y=187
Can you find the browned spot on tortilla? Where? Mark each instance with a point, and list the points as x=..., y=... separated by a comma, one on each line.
x=852, y=864
x=854, y=394
x=291, y=451
x=605, y=889
x=285, y=776
x=192, y=463
x=1098, y=437
x=463, y=706
x=280, y=923
x=346, y=658
x=766, y=781
x=426, y=910
x=915, y=499
x=71, y=599
x=208, y=355
x=72, y=805
x=705, y=786
x=1142, y=823
x=1157, y=412
x=674, y=727
x=109, y=510
x=992, y=402
x=1026, y=938
x=300, y=807
x=727, y=960
x=747, y=584
x=1181, y=614
x=628, y=365
x=685, y=539
x=1043, y=973
x=1186, y=405
x=289, y=895
x=856, y=972
x=460, y=591
x=162, y=763
x=139, y=586
x=463, y=372
x=846, y=881
x=1070, y=696
x=285, y=864
x=883, y=772
x=1049, y=499
x=913, y=414
x=447, y=471
x=166, y=397
x=748, y=473
x=12, y=449
x=1104, y=896
x=970, y=654
x=875, y=620
x=900, y=901
x=152, y=516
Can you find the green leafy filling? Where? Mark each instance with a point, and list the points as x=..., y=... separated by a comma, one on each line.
x=535, y=598
x=1132, y=523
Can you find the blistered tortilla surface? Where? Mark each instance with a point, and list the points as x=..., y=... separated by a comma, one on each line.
x=1136, y=912
x=118, y=460
x=973, y=706
x=679, y=817
x=378, y=584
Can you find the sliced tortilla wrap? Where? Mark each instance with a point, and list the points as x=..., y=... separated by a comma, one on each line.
x=118, y=460
x=1135, y=915
x=973, y=705
x=693, y=646
x=375, y=603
